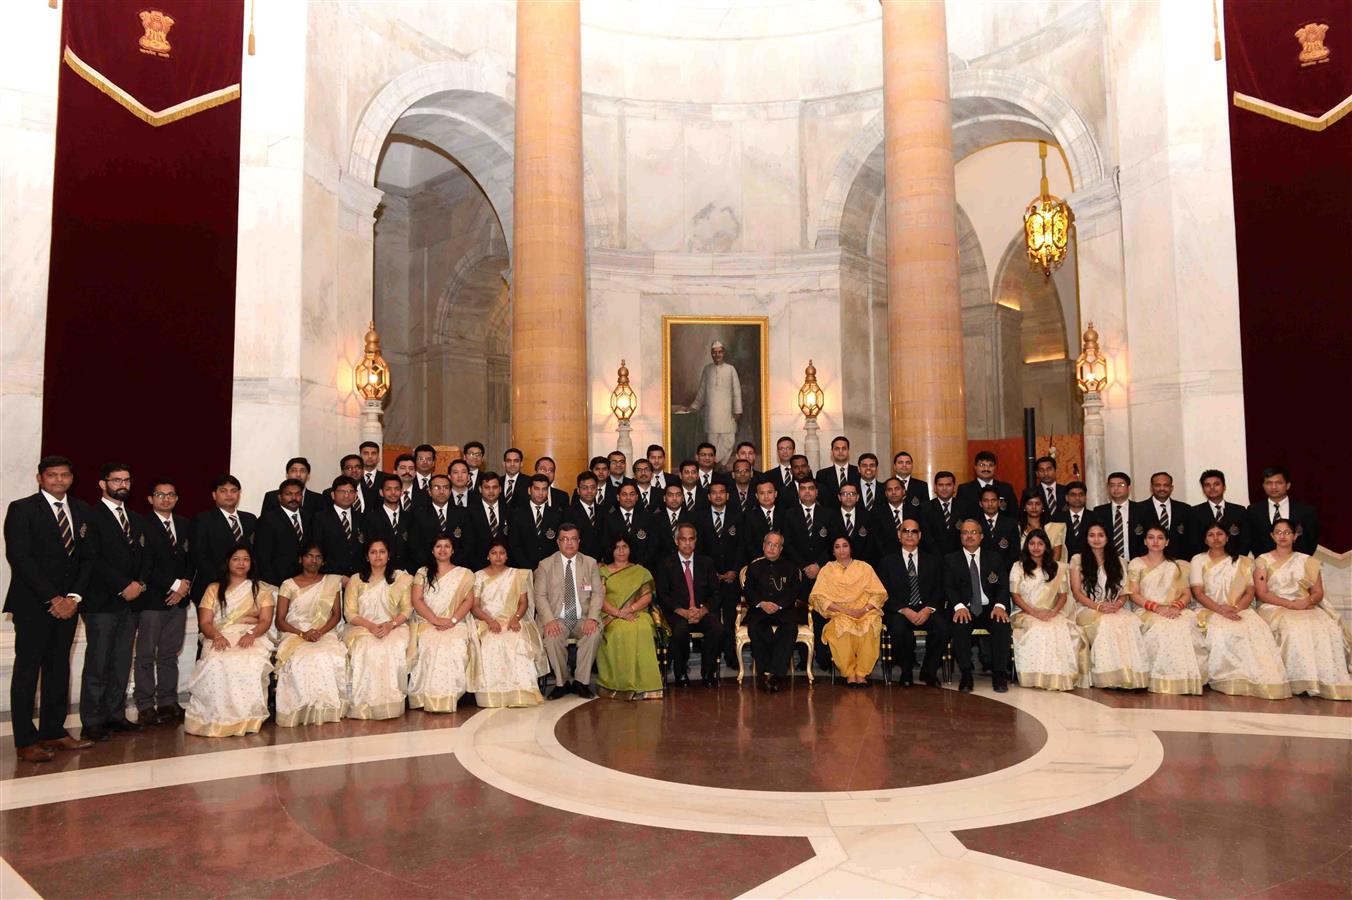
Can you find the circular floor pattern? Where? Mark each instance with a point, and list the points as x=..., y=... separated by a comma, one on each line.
x=826, y=739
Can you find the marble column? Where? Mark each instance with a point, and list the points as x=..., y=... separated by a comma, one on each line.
x=549, y=316
x=924, y=308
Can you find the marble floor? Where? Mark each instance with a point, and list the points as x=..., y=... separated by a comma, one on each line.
x=813, y=792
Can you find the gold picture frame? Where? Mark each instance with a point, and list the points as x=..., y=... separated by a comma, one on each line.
x=686, y=342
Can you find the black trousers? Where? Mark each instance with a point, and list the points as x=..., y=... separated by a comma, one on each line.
x=41, y=650
x=711, y=626
x=159, y=640
x=772, y=641
x=937, y=628
x=728, y=597
x=1001, y=635
x=821, y=650
x=110, y=640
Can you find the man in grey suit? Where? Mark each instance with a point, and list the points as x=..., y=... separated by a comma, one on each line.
x=568, y=596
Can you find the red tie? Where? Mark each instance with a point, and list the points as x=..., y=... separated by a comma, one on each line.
x=689, y=583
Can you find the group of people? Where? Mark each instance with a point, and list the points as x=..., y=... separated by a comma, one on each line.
x=415, y=587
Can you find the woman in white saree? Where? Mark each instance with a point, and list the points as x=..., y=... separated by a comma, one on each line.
x=379, y=645
x=1117, y=656
x=1048, y=647
x=311, y=660
x=442, y=598
x=229, y=687
x=1173, y=643
x=1315, y=644
x=511, y=654
x=1242, y=657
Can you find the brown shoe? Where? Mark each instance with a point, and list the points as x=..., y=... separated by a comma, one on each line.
x=66, y=743
x=34, y=754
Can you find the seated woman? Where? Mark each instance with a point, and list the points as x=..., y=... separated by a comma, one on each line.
x=1117, y=657
x=849, y=595
x=626, y=665
x=379, y=645
x=311, y=660
x=1033, y=517
x=1048, y=648
x=1174, y=649
x=511, y=654
x=442, y=597
x=229, y=687
x=1242, y=657
x=1315, y=644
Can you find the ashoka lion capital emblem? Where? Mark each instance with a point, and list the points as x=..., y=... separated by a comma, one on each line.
x=156, y=38
x=1312, y=49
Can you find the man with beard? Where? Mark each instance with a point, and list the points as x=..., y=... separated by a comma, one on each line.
x=281, y=534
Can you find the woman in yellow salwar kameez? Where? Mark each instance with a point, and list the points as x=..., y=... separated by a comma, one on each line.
x=311, y=660
x=377, y=607
x=849, y=595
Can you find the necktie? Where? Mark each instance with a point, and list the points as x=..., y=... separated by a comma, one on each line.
x=905, y=486
x=1119, y=533
x=539, y=515
x=460, y=500
x=704, y=479
x=1219, y=512
x=849, y=524
x=1276, y=511
x=840, y=476
x=441, y=517
x=868, y=496
x=784, y=475
x=370, y=478
x=126, y=526
x=807, y=518
x=63, y=523
x=360, y=505
x=493, y=519
x=742, y=498
x=674, y=522
x=347, y=526
x=394, y=517
x=1075, y=523
x=689, y=500
x=591, y=514
x=571, y=613
x=169, y=530
x=296, y=527
x=718, y=524
x=689, y=582
x=1051, y=500
x=990, y=529
x=511, y=486
x=896, y=517
x=628, y=520
x=403, y=501
x=914, y=580
x=769, y=518
x=978, y=598
x=1164, y=516
x=236, y=530
x=422, y=482
x=948, y=515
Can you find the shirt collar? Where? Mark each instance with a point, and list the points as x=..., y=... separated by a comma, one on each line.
x=686, y=559
x=229, y=515
x=114, y=505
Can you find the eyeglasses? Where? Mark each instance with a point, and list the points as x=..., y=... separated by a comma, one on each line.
x=165, y=495
x=126, y=480
x=910, y=531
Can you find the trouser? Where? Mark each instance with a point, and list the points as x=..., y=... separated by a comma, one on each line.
x=711, y=626
x=556, y=648
x=110, y=639
x=1001, y=635
x=820, y=650
x=41, y=648
x=855, y=654
x=772, y=640
x=723, y=441
x=937, y=629
x=159, y=640
x=729, y=595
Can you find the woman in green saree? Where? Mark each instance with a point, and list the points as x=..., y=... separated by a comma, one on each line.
x=626, y=666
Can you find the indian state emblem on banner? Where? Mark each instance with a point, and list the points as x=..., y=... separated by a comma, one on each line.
x=156, y=39
x=1312, y=49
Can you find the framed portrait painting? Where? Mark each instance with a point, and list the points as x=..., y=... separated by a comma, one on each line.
x=714, y=385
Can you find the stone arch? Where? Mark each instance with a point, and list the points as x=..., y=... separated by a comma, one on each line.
x=471, y=293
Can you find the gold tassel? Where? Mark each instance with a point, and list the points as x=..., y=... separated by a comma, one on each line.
x=1216, y=27
x=252, y=4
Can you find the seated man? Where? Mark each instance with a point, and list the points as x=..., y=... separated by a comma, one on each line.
x=773, y=613
x=976, y=586
x=687, y=591
x=568, y=596
x=915, y=599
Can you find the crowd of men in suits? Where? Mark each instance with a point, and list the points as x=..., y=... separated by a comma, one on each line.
x=132, y=578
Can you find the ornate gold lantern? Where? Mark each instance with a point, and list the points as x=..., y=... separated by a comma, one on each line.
x=1047, y=225
x=372, y=374
x=1091, y=368
x=623, y=400
x=811, y=398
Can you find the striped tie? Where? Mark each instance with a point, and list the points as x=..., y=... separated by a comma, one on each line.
x=126, y=526
x=1164, y=516
x=169, y=530
x=347, y=526
x=63, y=523
x=441, y=517
x=718, y=524
x=1119, y=533
x=913, y=579
x=296, y=526
x=539, y=517
x=849, y=524
x=492, y=521
x=235, y=529
x=807, y=518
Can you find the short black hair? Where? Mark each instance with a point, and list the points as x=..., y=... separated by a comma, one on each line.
x=784, y=438
x=440, y=475
x=159, y=482
x=1123, y=475
x=222, y=480
x=537, y=478
x=457, y=462
x=899, y=454
x=109, y=468
x=342, y=480
x=1212, y=473
x=687, y=463
x=1070, y=486
x=598, y=461
x=403, y=457
x=990, y=489
x=364, y=444
x=548, y=459
x=1154, y=475
x=703, y=444
x=471, y=445
x=742, y=444
x=291, y=482
x=658, y=447
x=54, y=462
x=807, y=479
x=864, y=456
x=424, y=448
x=298, y=461
x=986, y=456
x=797, y=456
x=942, y=474
x=740, y=462
x=840, y=437
x=585, y=477
x=342, y=463
x=485, y=477
x=642, y=462
x=1044, y=459
x=1271, y=471
x=510, y=450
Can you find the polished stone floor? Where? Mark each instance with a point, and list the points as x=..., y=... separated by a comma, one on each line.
x=814, y=792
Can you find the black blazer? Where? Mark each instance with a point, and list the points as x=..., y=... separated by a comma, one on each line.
x=212, y=543
x=168, y=562
x=828, y=483
x=1181, y=523
x=735, y=498
x=370, y=497
x=807, y=546
x=310, y=503
x=884, y=528
x=724, y=550
x=1040, y=489
x=645, y=538
x=929, y=578
x=342, y=555
x=664, y=538
x=1234, y=519
x=276, y=546
x=40, y=568
x=397, y=540
x=1005, y=538
x=1302, y=516
x=994, y=569
x=480, y=534
x=1136, y=525
x=520, y=491
x=937, y=537
x=426, y=528
x=862, y=543
x=530, y=544
x=754, y=529
x=785, y=488
x=701, y=500
x=654, y=501
x=117, y=563
x=879, y=498
x=591, y=534
x=969, y=497
x=1075, y=537
x=671, y=589
x=916, y=487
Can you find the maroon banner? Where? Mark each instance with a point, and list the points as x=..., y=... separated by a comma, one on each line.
x=1290, y=66
x=145, y=209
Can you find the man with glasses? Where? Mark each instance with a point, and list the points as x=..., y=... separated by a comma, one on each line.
x=915, y=601
x=568, y=595
x=342, y=531
x=162, y=611
x=976, y=588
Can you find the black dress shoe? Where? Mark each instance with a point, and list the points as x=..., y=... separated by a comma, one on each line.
x=122, y=725
x=710, y=681
x=583, y=690
x=906, y=680
x=94, y=733
x=560, y=690
x=175, y=712
x=683, y=681
x=1001, y=686
x=769, y=683
x=932, y=681
x=966, y=684
x=147, y=717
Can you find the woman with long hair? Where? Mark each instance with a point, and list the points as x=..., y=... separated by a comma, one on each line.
x=1174, y=647
x=511, y=654
x=311, y=660
x=1098, y=582
x=1049, y=651
x=442, y=597
x=377, y=608
x=626, y=665
x=1033, y=517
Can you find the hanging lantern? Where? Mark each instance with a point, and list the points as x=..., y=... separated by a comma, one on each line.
x=372, y=374
x=1047, y=225
x=1091, y=368
x=623, y=400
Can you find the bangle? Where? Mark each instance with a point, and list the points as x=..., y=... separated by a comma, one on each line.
x=1150, y=606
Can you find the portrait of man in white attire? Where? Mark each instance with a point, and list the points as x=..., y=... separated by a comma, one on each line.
x=720, y=399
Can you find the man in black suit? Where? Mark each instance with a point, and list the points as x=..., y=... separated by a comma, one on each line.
x=51, y=560
x=915, y=600
x=391, y=524
x=706, y=467
x=558, y=497
x=657, y=461
x=341, y=531
x=903, y=467
x=217, y=532
x=840, y=472
x=665, y=522
x=742, y=490
x=473, y=455
x=687, y=591
x=162, y=610
x=462, y=494
x=1231, y=516
x=1077, y=518
x=515, y=483
x=617, y=465
x=424, y=467
x=1000, y=529
x=976, y=587
x=939, y=517
x=870, y=488
x=589, y=515
x=719, y=538
x=298, y=469
x=605, y=493
x=406, y=473
x=488, y=517
x=969, y=493
x=121, y=568
x=773, y=609
x=1304, y=521
x=807, y=536
x=437, y=517
x=745, y=451
x=371, y=478
x=888, y=515
x=1122, y=519
x=781, y=473
x=281, y=533
x=630, y=520
x=533, y=533
x=350, y=466
x=1172, y=515
x=1053, y=494
x=762, y=518
x=693, y=496
x=850, y=521
x=649, y=495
